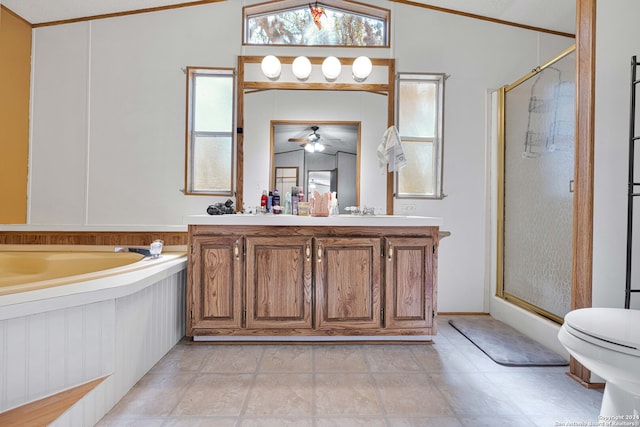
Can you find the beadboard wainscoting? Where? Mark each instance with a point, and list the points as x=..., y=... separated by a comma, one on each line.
x=120, y=337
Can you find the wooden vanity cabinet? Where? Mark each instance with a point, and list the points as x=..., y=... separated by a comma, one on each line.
x=214, y=283
x=409, y=280
x=279, y=286
x=311, y=281
x=347, y=281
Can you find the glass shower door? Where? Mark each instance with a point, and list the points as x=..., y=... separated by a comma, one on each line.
x=537, y=171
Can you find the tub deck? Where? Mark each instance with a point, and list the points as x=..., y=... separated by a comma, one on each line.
x=31, y=267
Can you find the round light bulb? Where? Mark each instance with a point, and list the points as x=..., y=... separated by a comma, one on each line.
x=301, y=67
x=361, y=68
x=271, y=67
x=331, y=68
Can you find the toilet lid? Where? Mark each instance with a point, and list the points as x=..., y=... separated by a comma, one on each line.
x=613, y=325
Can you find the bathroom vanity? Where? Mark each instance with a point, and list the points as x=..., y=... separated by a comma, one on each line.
x=312, y=278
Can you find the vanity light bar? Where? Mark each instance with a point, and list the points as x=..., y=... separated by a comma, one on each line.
x=331, y=68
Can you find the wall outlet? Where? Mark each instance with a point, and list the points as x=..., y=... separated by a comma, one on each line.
x=407, y=208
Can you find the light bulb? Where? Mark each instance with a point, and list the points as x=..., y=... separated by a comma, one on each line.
x=301, y=67
x=331, y=68
x=271, y=67
x=361, y=68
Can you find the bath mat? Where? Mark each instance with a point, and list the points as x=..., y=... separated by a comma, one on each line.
x=505, y=345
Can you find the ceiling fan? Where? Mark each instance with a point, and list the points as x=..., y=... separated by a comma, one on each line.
x=312, y=141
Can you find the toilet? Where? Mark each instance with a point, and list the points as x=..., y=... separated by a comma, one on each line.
x=607, y=342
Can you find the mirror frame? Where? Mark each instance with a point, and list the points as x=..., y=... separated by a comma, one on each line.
x=244, y=86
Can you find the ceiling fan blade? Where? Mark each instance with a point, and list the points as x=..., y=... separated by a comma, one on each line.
x=298, y=140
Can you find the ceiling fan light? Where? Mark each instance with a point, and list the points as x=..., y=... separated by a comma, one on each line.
x=309, y=147
x=331, y=68
x=271, y=67
x=361, y=68
x=301, y=67
x=319, y=147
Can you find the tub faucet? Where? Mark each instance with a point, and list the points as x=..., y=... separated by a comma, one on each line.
x=142, y=251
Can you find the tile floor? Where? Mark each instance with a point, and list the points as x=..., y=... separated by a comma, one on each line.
x=448, y=383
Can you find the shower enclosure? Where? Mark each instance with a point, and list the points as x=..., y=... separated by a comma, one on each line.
x=535, y=212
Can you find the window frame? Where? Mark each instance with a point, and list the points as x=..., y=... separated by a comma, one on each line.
x=355, y=8
x=437, y=139
x=190, y=135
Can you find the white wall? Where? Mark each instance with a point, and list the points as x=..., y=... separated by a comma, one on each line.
x=109, y=107
x=617, y=40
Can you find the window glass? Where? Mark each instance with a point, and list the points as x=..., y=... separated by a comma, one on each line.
x=213, y=103
x=210, y=138
x=419, y=120
x=330, y=23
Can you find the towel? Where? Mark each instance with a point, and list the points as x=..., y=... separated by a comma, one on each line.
x=390, y=151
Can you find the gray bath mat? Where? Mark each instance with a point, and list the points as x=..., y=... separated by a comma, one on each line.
x=505, y=345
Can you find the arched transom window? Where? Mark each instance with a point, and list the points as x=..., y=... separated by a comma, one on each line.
x=319, y=23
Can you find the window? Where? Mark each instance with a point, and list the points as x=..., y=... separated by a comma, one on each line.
x=419, y=110
x=210, y=123
x=327, y=23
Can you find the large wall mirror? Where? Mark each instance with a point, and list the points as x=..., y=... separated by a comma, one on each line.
x=343, y=110
x=320, y=156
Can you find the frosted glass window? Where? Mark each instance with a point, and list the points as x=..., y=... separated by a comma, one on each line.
x=419, y=121
x=210, y=137
x=327, y=23
x=213, y=103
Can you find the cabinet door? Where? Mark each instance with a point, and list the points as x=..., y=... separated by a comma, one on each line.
x=214, y=296
x=409, y=282
x=279, y=282
x=347, y=283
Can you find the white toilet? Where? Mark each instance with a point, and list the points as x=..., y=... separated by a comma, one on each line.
x=607, y=342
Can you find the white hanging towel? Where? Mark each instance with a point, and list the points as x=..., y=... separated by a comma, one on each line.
x=390, y=151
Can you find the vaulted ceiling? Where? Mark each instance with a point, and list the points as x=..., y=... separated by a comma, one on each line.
x=555, y=15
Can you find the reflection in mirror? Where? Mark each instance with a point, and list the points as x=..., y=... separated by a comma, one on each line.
x=326, y=153
x=322, y=181
x=286, y=177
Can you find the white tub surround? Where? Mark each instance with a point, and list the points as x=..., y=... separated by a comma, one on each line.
x=118, y=326
x=283, y=277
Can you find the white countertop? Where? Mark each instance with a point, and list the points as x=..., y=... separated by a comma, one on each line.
x=329, y=221
x=93, y=228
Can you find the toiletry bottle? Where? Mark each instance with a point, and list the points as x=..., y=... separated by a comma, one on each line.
x=276, y=200
x=294, y=205
x=263, y=202
x=301, y=195
x=287, y=203
x=269, y=201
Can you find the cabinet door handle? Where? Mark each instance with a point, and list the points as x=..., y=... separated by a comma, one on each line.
x=390, y=253
x=307, y=252
x=319, y=252
x=236, y=251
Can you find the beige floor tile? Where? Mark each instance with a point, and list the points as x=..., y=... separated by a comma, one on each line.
x=215, y=394
x=154, y=395
x=391, y=358
x=424, y=422
x=350, y=422
x=343, y=393
x=410, y=395
x=236, y=359
x=340, y=358
x=287, y=358
x=282, y=395
x=183, y=358
x=276, y=422
x=201, y=422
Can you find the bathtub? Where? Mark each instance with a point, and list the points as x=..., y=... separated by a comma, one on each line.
x=62, y=325
x=30, y=267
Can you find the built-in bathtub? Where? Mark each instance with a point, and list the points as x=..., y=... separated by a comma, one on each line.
x=62, y=326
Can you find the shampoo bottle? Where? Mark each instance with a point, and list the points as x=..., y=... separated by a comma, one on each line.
x=263, y=202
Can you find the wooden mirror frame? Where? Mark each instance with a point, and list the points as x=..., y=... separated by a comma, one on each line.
x=386, y=89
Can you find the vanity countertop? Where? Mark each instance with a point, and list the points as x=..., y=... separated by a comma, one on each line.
x=329, y=221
